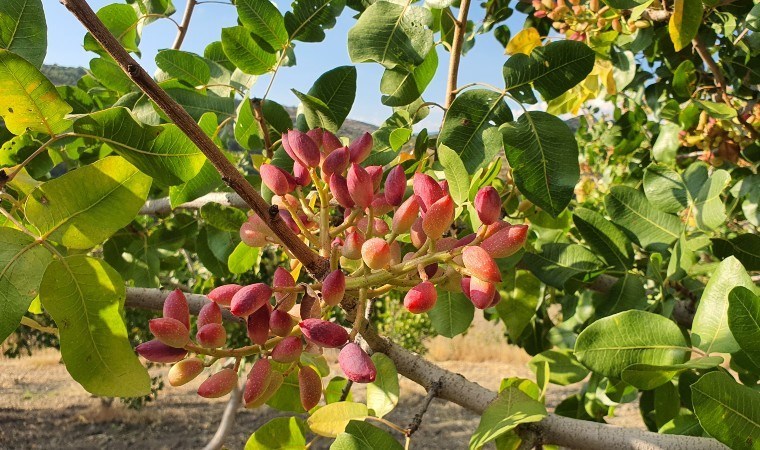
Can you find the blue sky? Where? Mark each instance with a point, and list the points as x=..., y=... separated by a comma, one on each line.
x=483, y=63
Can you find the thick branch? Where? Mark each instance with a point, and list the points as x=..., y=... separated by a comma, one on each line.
x=162, y=206
x=456, y=51
x=316, y=265
x=183, y=26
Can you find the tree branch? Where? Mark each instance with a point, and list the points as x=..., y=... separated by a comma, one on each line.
x=417, y=420
x=183, y=26
x=314, y=264
x=460, y=25
x=228, y=420
x=162, y=206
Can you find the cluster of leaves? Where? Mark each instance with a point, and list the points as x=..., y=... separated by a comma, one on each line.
x=639, y=273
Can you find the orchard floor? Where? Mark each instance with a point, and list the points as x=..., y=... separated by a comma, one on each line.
x=42, y=408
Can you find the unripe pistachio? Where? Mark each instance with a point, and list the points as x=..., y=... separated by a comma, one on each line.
x=395, y=186
x=309, y=387
x=405, y=215
x=324, y=333
x=360, y=186
x=222, y=295
x=481, y=292
x=356, y=364
x=333, y=287
x=330, y=142
x=380, y=205
x=421, y=298
x=339, y=190
x=304, y=148
x=417, y=233
x=480, y=264
x=309, y=308
x=252, y=237
x=287, y=350
x=376, y=253
x=439, y=217
x=335, y=162
x=379, y=228
x=185, y=371
x=488, y=205
x=505, y=242
x=301, y=174
x=249, y=299
x=209, y=313
x=352, y=246
x=257, y=326
x=376, y=175
x=211, y=335
x=281, y=323
x=175, y=307
x=427, y=190
x=257, y=382
x=361, y=148
x=218, y=384
x=276, y=179
x=157, y=351
x=282, y=279
x=170, y=331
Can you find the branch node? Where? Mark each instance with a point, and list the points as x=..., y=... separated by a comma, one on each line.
x=274, y=210
x=132, y=69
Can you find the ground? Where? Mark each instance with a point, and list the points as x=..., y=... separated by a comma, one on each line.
x=41, y=407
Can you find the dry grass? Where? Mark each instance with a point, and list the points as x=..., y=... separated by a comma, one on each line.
x=484, y=342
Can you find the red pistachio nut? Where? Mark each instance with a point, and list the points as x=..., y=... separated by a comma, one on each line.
x=222, y=295
x=304, y=148
x=376, y=175
x=170, y=331
x=376, y=253
x=339, y=190
x=309, y=387
x=280, y=322
x=356, y=364
x=324, y=333
x=360, y=186
x=361, y=148
x=218, y=384
x=158, y=352
x=211, y=335
x=480, y=264
x=481, y=293
x=336, y=162
x=276, y=179
x=506, y=242
x=333, y=287
x=427, y=190
x=488, y=205
x=185, y=371
x=421, y=298
x=439, y=217
x=249, y=299
x=301, y=175
x=209, y=313
x=257, y=326
x=395, y=186
x=352, y=246
x=175, y=307
x=405, y=215
x=330, y=142
x=287, y=350
x=258, y=380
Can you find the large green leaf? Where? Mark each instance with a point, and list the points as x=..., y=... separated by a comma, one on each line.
x=29, y=102
x=511, y=408
x=685, y=22
x=667, y=143
x=630, y=210
x=197, y=103
x=469, y=127
x=184, y=66
x=382, y=394
x=402, y=87
x=559, y=262
x=665, y=189
x=278, y=433
x=310, y=18
x=648, y=376
x=604, y=238
x=543, y=153
x=552, y=69
x=85, y=297
x=392, y=35
x=518, y=305
x=745, y=247
x=456, y=174
x=611, y=344
x=363, y=436
x=22, y=263
x=122, y=21
x=163, y=152
x=110, y=75
x=205, y=181
x=332, y=419
x=452, y=313
x=710, y=331
x=709, y=210
x=564, y=369
x=627, y=293
x=728, y=411
x=246, y=52
x=262, y=18
x=64, y=211
x=23, y=29
x=330, y=98
x=744, y=321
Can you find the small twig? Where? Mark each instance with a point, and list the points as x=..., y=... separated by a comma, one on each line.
x=346, y=390
x=183, y=26
x=456, y=51
x=259, y=114
x=432, y=393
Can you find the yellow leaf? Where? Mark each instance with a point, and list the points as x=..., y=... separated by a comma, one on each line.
x=524, y=42
x=296, y=270
x=604, y=71
x=685, y=22
x=257, y=160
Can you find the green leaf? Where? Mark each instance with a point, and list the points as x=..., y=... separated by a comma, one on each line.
x=625, y=4
x=197, y=103
x=684, y=79
x=23, y=29
x=278, y=433
x=564, y=369
x=630, y=210
x=85, y=298
x=627, y=293
x=753, y=18
x=363, y=436
x=511, y=408
x=334, y=92
x=728, y=411
x=22, y=263
x=223, y=217
x=648, y=376
x=29, y=100
x=456, y=174
x=205, y=181
x=518, y=305
x=552, y=69
x=717, y=110
x=744, y=321
x=613, y=343
x=543, y=154
x=709, y=210
x=110, y=75
x=685, y=22
x=81, y=218
x=382, y=394
x=469, y=127
x=392, y=35
x=184, y=66
x=310, y=18
x=452, y=313
x=331, y=420
x=667, y=144
x=399, y=137
x=402, y=87
x=604, y=238
x=262, y=18
x=745, y=247
x=288, y=397
x=246, y=52
x=559, y=262
x=334, y=390
x=665, y=189
x=164, y=152
x=243, y=258
x=710, y=331
x=121, y=20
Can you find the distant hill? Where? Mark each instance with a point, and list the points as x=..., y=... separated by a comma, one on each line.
x=61, y=75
